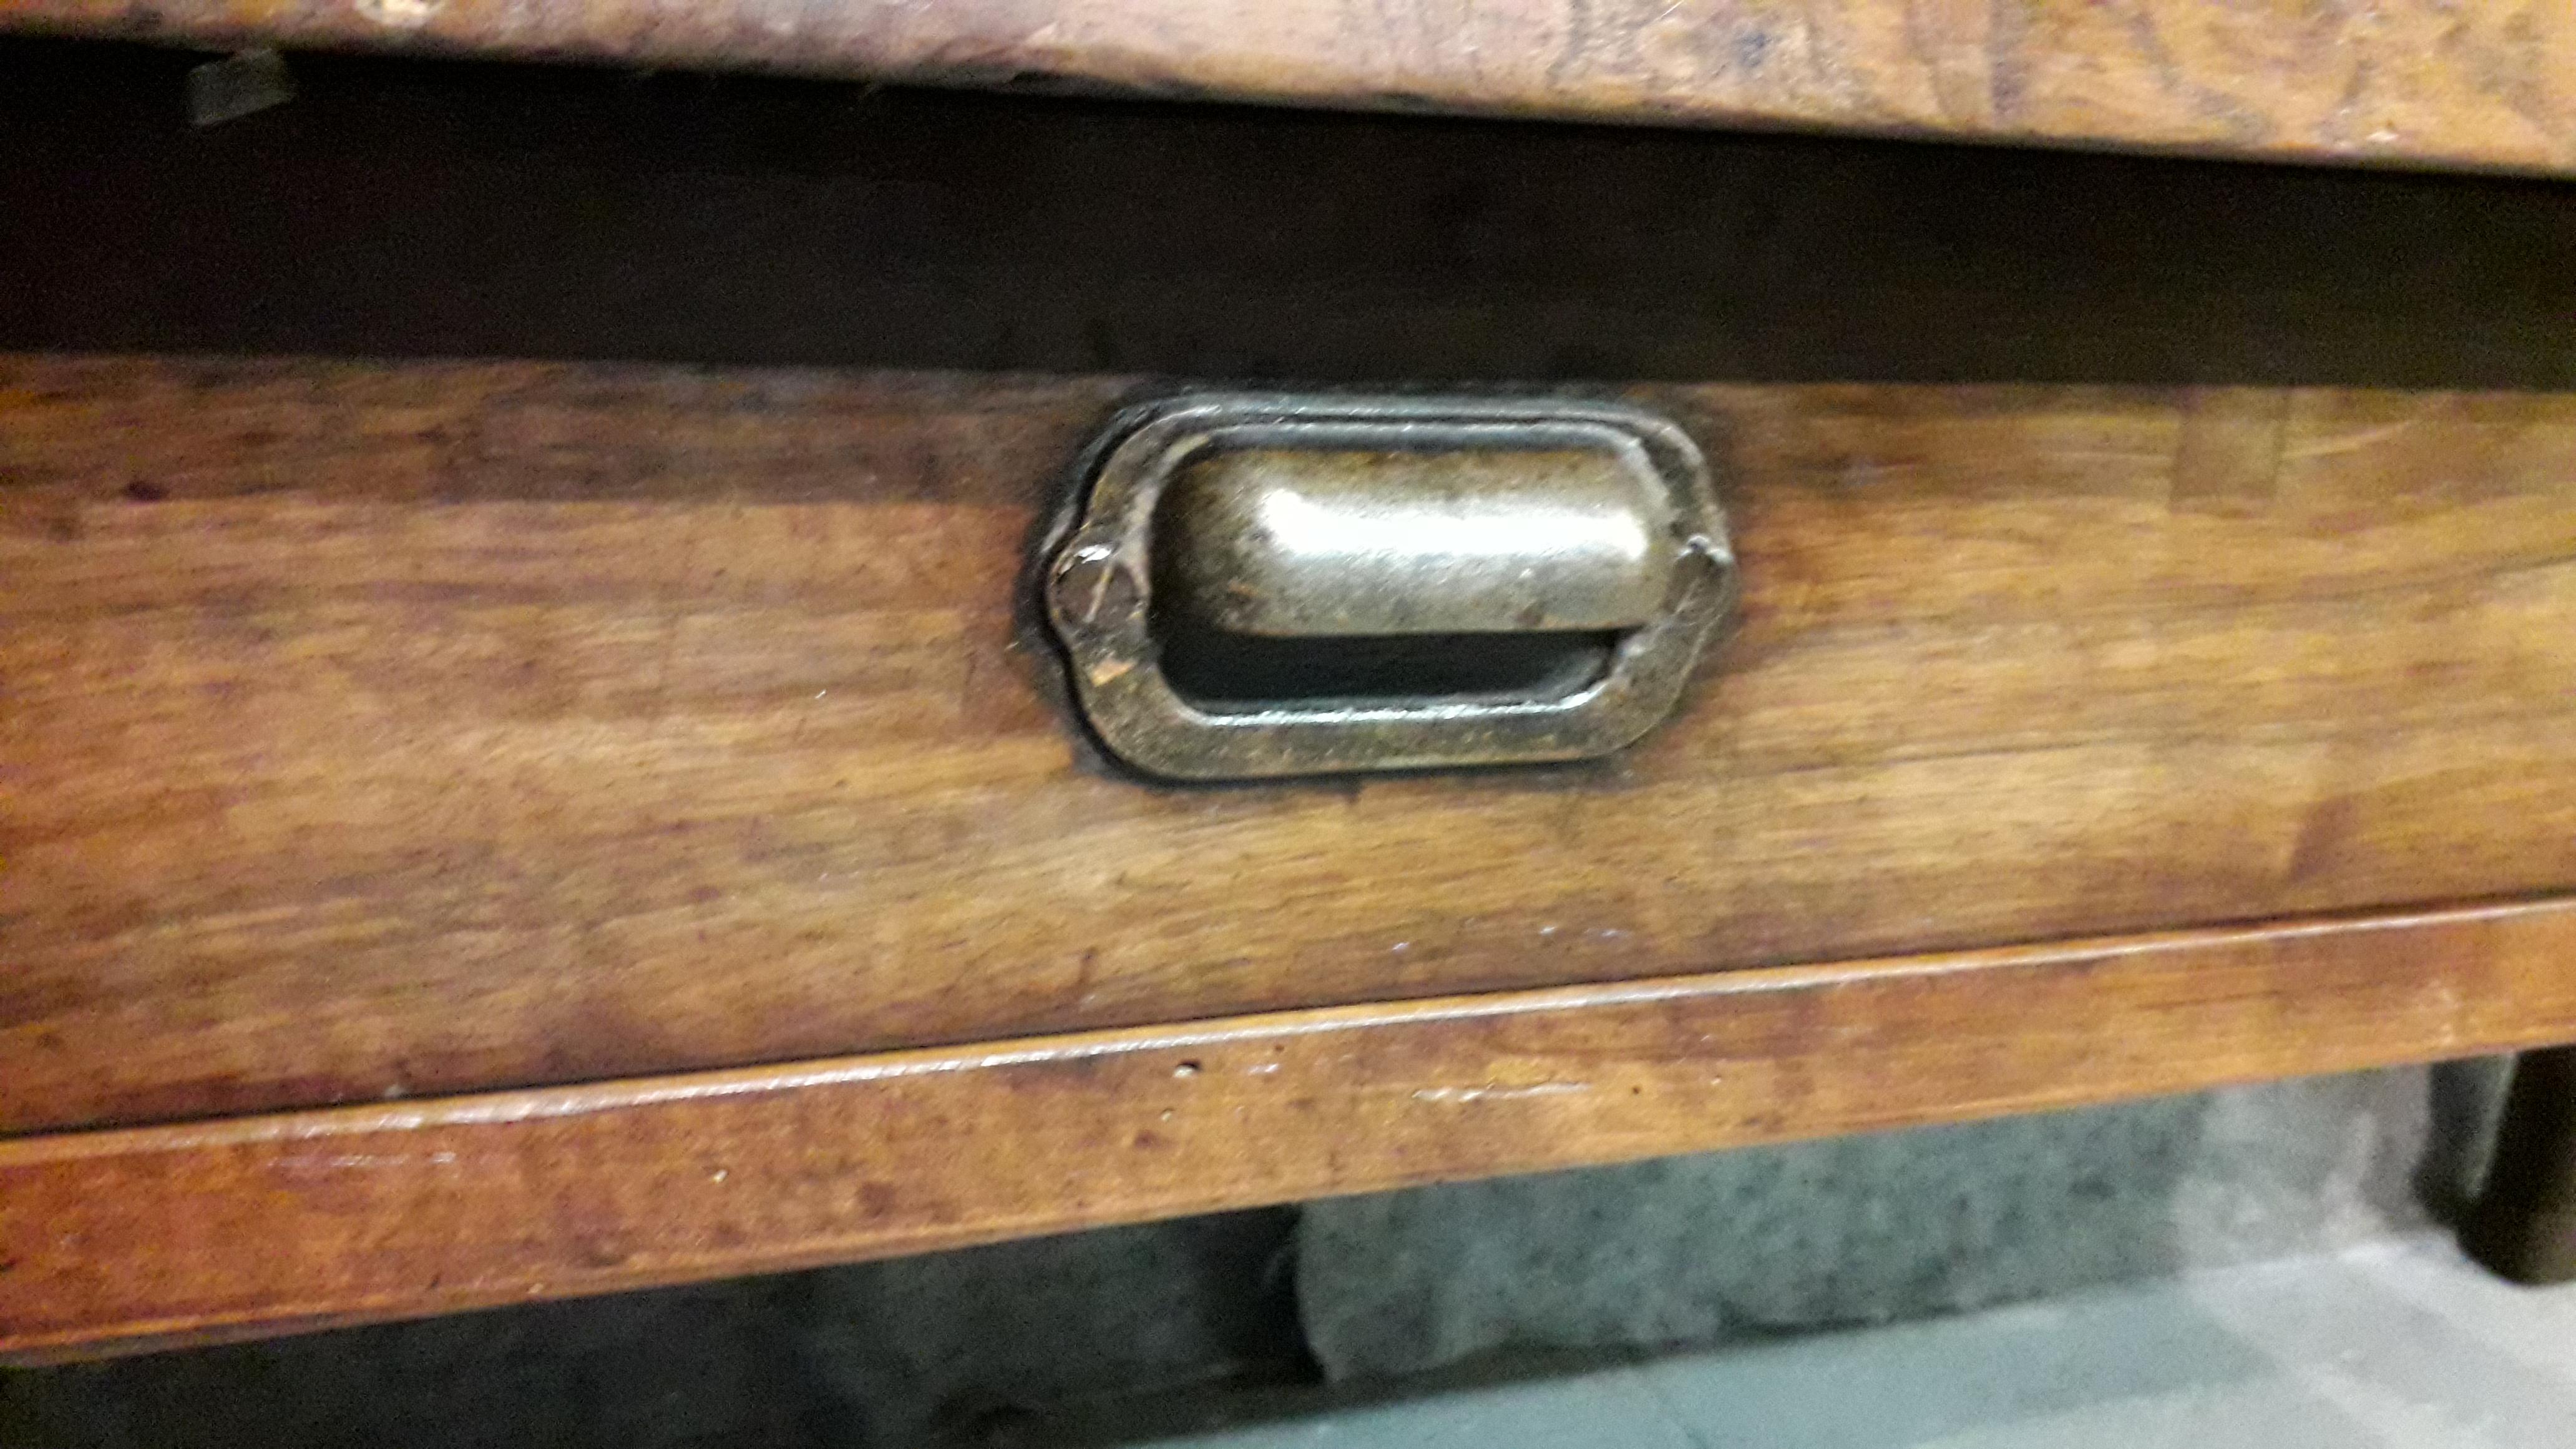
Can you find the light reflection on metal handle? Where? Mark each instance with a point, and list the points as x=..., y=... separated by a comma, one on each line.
x=1312, y=528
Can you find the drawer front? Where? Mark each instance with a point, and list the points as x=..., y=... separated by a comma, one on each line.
x=379, y=730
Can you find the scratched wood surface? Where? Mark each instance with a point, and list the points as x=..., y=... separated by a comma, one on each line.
x=2488, y=83
x=375, y=730
x=158, y=1234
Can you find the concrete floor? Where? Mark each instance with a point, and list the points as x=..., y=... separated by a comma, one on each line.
x=2400, y=1342
x=1880, y=1228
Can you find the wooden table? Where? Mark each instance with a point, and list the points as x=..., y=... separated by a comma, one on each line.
x=525, y=769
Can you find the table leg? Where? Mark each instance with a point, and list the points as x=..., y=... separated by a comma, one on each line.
x=2524, y=1225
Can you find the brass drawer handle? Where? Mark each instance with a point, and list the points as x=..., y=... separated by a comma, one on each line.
x=1260, y=586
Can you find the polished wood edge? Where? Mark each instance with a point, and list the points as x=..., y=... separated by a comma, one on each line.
x=2524, y=1224
x=2408, y=84
x=163, y=1234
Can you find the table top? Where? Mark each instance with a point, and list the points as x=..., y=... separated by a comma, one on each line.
x=2485, y=84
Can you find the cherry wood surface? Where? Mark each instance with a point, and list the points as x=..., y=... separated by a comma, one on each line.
x=386, y=730
x=2485, y=83
x=157, y=1235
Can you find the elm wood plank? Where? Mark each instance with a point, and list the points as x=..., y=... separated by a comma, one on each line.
x=377, y=730
x=160, y=1233
x=2491, y=83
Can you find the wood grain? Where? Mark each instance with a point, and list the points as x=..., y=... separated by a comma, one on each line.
x=2490, y=83
x=153, y=1234
x=375, y=730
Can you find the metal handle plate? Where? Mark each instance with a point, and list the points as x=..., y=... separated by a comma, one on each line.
x=1261, y=585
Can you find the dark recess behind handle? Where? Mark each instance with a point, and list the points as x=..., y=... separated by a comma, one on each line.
x=416, y=208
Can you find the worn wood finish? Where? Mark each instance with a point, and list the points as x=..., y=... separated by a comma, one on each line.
x=2489, y=83
x=362, y=1212
x=2524, y=1224
x=387, y=730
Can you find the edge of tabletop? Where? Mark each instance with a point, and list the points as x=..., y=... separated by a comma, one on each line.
x=2411, y=85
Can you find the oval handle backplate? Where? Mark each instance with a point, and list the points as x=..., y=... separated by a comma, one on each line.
x=1258, y=585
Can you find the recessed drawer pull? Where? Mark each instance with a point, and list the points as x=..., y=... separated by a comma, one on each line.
x=1259, y=586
